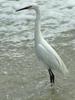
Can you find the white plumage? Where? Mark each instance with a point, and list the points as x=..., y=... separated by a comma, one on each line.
x=43, y=50
x=49, y=56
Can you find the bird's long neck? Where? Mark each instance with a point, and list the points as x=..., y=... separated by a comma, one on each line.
x=37, y=26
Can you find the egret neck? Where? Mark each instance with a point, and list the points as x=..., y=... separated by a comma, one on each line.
x=37, y=26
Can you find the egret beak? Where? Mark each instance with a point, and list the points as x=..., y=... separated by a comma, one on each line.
x=28, y=7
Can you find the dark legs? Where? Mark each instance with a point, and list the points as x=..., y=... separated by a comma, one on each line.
x=51, y=76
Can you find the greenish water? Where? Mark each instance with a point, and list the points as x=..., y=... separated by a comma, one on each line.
x=22, y=75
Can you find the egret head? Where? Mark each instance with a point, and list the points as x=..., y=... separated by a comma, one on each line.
x=32, y=6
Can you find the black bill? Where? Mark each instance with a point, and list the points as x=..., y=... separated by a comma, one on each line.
x=24, y=8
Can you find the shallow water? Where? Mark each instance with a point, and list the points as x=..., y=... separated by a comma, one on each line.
x=22, y=75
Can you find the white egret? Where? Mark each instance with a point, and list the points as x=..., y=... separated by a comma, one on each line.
x=43, y=50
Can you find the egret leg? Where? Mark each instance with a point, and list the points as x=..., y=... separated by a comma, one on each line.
x=52, y=77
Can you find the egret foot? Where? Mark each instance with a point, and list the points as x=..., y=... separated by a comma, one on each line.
x=52, y=77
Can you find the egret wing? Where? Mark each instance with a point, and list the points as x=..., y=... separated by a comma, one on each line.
x=50, y=57
x=47, y=56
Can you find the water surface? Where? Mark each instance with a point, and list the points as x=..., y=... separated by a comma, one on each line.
x=22, y=75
